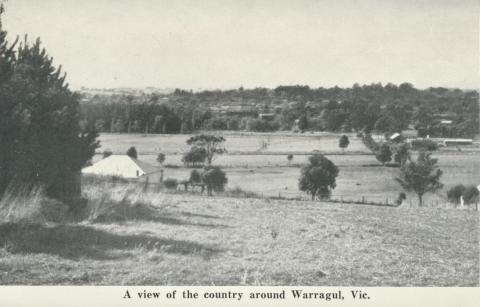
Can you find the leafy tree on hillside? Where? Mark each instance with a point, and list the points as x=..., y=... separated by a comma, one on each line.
x=211, y=143
x=289, y=158
x=41, y=140
x=161, y=158
x=343, y=142
x=214, y=178
x=470, y=195
x=455, y=193
x=318, y=177
x=303, y=123
x=402, y=154
x=384, y=154
x=196, y=155
x=420, y=176
x=382, y=124
x=195, y=176
x=132, y=152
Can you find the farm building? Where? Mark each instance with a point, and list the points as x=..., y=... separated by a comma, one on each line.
x=125, y=167
x=396, y=137
x=457, y=142
x=266, y=116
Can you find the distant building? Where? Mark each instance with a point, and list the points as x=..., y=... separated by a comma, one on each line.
x=126, y=167
x=457, y=142
x=446, y=122
x=396, y=137
x=266, y=116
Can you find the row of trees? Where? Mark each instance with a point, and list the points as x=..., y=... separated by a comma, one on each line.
x=388, y=108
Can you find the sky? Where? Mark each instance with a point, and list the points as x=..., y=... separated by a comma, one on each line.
x=213, y=44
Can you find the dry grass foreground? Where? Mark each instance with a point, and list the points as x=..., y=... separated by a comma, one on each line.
x=161, y=239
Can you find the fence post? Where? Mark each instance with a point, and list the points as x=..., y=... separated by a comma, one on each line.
x=386, y=201
x=363, y=199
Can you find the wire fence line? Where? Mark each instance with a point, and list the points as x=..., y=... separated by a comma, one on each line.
x=373, y=200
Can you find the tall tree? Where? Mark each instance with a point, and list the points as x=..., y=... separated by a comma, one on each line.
x=41, y=140
x=343, y=142
x=132, y=152
x=318, y=177
x=384, y=154
x=420, y=176
x=211, y=143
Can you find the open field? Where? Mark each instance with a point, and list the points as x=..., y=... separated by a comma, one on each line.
x=268, y=172
x=236, y=142
x=196, y=240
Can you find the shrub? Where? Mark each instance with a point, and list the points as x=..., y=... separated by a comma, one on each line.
x=289, y=158
x=424, y=145
x=343, y=142
x=384, y=154
x=402, y=154
x=215, y=179
x=370, y=142
x=170, y=183
x=401, y=197
x=455, y=193
x=107, y=153
x=161, y=158
x=470, y=195
x=132, y=152
x=195, y=176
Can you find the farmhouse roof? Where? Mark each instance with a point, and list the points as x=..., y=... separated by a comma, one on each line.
x=120, y=165
x=394, y=136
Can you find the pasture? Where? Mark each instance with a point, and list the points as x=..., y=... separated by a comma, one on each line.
x=196, y=240
x=236, y=142
x=268, y=172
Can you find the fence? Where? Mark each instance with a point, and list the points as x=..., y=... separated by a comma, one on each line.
x=372, y=200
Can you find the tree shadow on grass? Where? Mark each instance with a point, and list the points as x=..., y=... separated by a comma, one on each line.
x=191, y=214
x=169, y=220
x=78, y=241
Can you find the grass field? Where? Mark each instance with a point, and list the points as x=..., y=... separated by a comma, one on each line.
x=268, y=171
x=236, y=142
x=195, y=240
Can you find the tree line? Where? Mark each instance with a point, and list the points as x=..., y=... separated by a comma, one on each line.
x=383, y=108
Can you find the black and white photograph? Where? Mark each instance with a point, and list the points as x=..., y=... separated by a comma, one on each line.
x=240, y=143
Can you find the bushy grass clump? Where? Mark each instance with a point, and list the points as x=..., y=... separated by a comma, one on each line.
x=30, y=205
x=115, y=203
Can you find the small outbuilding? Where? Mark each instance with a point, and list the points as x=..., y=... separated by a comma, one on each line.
x=396, y=137
x=457, y=142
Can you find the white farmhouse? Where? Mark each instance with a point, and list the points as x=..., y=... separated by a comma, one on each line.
x=126, y=167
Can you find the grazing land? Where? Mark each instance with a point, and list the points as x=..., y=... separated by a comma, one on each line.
x=268, y=172
x=196, y=240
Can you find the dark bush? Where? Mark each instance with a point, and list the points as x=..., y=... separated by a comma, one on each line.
x=470, y=195
x=455, y=193
x=132, y=152
x=170, y=183
x=195, y=176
